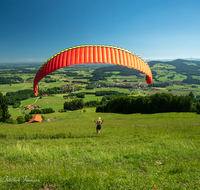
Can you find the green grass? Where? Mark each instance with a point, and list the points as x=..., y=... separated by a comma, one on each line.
x=56, y=102
x=179, y=77
x=114, y=72
x=190, y=63
x=31, y=101
x=164, y=78
x=186, y=89
x=132, y=152
x=16, y=87
x=51, y=85
x=163, y=69
x=162, y=66
x=92, y=98
x=195, y=77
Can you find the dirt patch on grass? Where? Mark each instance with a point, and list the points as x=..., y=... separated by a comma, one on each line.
x=161, y=88
x=52, y=119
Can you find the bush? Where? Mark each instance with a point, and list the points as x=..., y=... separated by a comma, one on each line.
x=89, y=87
x=100, y=108
x=61, y=110
x=20, y=119
x=104, y=92
x=36, y=111
x=42, y=111
x=43, y=118
x=47, y=110
x=74, y=105
x=198, y=108
x=80, y=95
x=11, y=121
x=16, y=104
x=27, y=117
x=93, y=103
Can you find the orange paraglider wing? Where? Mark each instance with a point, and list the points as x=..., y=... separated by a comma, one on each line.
x=92, y=54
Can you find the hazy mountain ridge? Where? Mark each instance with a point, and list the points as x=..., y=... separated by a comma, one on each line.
x=168, y=60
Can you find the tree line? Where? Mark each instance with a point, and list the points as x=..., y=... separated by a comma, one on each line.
x=162, y=85
x=104, y=92
x=191, y=80
x=79, y=103
x=9, y=80
x=157, y=103
x=78, y=95
x=54, y=90
x=16, y=97
x=42, y=111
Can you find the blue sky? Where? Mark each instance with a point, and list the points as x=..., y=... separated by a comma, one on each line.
x=34, y=30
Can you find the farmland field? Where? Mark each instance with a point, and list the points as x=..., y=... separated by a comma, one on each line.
x=15, y=87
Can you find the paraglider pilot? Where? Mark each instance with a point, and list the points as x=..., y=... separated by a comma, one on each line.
x=98, y=122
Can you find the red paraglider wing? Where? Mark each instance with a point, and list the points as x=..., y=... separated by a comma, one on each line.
x=92, y=54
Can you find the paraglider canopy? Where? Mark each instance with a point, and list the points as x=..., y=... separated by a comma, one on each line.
x=92, y=54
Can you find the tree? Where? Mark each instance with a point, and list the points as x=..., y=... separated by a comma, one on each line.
x=191, y=95
x=4, y=114
x=20, y=119
x=16, y=104
x=198, y=108
x=80, y=95
x=27, y=117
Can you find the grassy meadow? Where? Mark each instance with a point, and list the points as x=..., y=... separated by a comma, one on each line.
x=136, y=151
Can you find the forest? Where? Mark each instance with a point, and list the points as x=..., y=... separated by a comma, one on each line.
x=157, y=103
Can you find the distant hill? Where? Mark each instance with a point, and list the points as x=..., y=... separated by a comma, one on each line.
x=181, y=66
x=188, y=59
x=186, y=68
x=183, y=70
